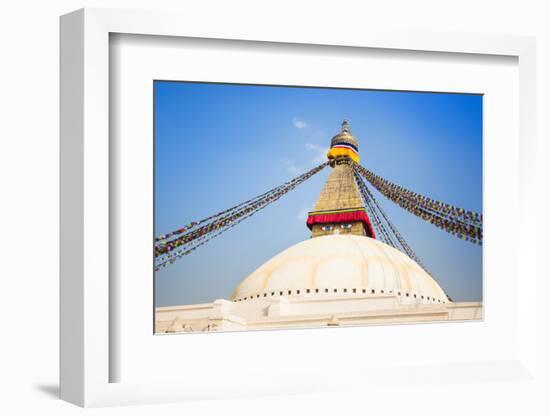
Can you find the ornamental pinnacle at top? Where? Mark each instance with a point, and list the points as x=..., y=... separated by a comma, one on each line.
x=340, y=208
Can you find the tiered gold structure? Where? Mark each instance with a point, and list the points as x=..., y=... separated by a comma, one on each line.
x=340, y=209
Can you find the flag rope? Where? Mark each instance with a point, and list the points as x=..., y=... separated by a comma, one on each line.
x=176, y=244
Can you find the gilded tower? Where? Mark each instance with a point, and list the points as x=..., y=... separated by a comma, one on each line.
x=340, y=208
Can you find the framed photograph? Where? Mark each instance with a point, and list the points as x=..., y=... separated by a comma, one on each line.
x=278, y=212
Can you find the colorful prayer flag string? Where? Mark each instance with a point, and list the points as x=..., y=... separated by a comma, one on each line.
x=467, y=225
x=183, y=241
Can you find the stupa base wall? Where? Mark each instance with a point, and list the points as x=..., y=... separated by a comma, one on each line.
x=223, y=315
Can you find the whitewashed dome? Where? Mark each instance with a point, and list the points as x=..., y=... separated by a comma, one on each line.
x=342, y=265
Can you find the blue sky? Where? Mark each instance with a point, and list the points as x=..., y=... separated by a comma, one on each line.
x=217, y=145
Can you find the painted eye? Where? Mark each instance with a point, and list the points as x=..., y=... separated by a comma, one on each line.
x=326, y=227
x=345, y=226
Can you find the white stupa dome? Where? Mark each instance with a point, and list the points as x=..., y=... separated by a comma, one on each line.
x=341, y=265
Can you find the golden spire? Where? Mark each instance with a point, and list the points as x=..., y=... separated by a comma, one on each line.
x=344, y=144
x=340, y=209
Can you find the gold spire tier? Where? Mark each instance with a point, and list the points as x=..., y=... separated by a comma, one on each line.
x=340, y=208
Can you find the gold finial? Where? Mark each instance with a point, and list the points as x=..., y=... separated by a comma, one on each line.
x=344, y=144
x=345, y=127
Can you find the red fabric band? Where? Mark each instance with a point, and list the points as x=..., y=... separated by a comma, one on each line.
x=341, y=217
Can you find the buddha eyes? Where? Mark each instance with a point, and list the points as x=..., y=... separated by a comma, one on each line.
x=330, y=227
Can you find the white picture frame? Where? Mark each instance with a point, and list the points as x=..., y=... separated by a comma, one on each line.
x=86, y=355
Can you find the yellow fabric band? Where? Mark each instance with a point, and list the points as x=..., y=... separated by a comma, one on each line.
x=340, y=151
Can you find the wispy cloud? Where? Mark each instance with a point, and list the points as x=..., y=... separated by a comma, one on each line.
x=299, y=123
x=313, y=155
x=320, y=152
x=302, y=214
x=292, y=167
